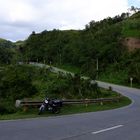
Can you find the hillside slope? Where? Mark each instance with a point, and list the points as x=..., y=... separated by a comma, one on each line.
x=132, y=43
x=6, y=51
x=106, y=41
x=131, y=32
x=6, y=43
x=131, y=26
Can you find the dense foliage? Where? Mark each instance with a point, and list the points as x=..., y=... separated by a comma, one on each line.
x=15, y=83
x=21, y=81
x=100, y=41
x=6, y=51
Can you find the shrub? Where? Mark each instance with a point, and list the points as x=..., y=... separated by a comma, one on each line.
x=16, y=83
x=6, y=108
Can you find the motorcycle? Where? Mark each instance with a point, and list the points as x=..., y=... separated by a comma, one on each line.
x=52, y=105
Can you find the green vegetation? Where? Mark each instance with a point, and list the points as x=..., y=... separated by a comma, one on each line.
x=6, y=44
x=6, y=51
x=15, y=83
x=131, y=26
x=78, y=51
x=98, y=52
x=68, y=109
x=23, y=81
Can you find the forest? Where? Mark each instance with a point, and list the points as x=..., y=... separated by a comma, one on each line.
x=100, y=42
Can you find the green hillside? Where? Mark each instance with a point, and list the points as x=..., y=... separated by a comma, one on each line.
x=6, y=51
x=102, y=41
x=6, y=43
x=131, y=26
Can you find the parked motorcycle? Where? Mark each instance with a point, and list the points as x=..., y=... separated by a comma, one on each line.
x=52, y=105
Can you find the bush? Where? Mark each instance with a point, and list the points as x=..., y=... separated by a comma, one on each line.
x=6, y=108
x=16, y=83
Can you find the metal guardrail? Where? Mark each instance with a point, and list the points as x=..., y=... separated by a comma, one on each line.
x=27, y=103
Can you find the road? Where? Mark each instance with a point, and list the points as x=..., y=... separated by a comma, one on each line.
x=117, y=124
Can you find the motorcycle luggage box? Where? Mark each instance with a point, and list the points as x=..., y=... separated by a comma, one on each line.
x=57, y=102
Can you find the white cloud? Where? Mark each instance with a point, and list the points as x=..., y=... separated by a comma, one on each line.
x=23, y=16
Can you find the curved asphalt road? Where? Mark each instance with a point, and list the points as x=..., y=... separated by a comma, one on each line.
x=117, y=124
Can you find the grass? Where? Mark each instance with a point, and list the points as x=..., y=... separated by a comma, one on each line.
x=68, y=109
x=108, y=76
x=119, y=78
x=70, y=68
x=114, y=77
x=131, y=28
x=72, y=109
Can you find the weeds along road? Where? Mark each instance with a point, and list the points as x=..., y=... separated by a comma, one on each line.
x=117, y=124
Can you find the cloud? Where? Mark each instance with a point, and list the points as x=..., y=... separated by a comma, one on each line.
x=20, y=17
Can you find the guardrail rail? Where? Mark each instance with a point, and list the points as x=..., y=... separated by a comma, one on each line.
x=28, y=103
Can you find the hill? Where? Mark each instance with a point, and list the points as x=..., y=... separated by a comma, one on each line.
x=107, y=41
x=6, y=43
x=132, y=43
x=131, y=32
x=6, y=51
x=131, y=26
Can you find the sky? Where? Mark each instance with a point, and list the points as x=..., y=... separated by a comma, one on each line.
x=18, y=18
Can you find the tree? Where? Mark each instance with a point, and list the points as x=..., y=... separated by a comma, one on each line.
x=16, y=83
x=6, y=55
x=134, y=9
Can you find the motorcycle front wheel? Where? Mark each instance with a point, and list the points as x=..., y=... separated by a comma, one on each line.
x=41, y=109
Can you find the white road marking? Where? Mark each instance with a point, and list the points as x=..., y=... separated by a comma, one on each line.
x=107, y=129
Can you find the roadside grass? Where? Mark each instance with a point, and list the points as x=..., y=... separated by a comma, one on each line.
x=67, y=109
x=114, y=77
x=73, y=109
x=119, y=78
x=110, y=76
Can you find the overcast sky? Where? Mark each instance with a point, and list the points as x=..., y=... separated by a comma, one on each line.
x=18, y=18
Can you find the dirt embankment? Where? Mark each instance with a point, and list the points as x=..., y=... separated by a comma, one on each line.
x=132, y=43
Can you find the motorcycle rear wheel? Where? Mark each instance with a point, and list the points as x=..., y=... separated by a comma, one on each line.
x=56, y=110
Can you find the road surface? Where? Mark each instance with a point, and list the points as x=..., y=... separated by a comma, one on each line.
x=117, y=124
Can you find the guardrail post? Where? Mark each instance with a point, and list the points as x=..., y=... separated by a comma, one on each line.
x=86, y=102
x=18, y=103
x=25, y=108
x=101, y=103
